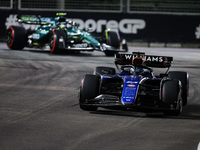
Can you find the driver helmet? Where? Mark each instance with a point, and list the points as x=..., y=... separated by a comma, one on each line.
x=137, y=61
x=63, y=25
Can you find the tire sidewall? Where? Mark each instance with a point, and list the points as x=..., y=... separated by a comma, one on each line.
x=113, y=39
x=184, y=78
x=18, y=39
x=171, y=96
x=54, y=37
x=89, y=87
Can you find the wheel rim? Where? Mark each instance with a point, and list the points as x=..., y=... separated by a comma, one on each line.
x=10, y=37
x=52, y=41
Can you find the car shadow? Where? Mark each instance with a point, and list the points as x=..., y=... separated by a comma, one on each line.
x=190, y=112
x=65, y=53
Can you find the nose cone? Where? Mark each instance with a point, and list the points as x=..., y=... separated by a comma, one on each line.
x=129, y=94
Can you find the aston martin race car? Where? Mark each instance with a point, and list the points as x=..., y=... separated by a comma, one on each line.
x=62, y=34
x=136, y=86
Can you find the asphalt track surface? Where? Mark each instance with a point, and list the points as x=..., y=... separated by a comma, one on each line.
x=39, y=105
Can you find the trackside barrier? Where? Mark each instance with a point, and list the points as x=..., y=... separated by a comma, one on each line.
x=8, y=4
x=75, y=5
x=136, y=28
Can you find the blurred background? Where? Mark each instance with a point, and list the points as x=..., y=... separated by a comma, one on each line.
x=163, y=23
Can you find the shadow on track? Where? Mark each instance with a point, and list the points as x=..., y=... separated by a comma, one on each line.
x=71, y=53
x=190, y=112
x=63, y=53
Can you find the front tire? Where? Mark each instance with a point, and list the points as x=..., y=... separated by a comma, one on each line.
x=89, y=89
x=184, y=78
x=16, y=37
x=171, y=96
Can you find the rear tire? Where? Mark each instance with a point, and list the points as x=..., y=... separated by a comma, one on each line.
x=104, y=71
x=170, y=96
x=16, y=37
x=124, y=45
x=184, y=78
x=89, y=90
x=57, y=46
x=112, y=39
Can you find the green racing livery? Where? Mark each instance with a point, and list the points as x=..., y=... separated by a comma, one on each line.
x=60, y=34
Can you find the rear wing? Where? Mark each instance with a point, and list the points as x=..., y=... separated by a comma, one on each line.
x=149, y=60
x=38, y=20
x=29, y=19
x=32, y=19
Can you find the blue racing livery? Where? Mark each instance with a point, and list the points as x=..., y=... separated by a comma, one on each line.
x=136, y=85
x=130, y=89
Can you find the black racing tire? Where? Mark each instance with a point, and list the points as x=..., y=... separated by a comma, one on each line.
x=124, y=45
x=170, y=96
x=113, y=39
x=89, y=89
x=184, y=78
x=16, y=37
x=55, y=45
x=104, y=71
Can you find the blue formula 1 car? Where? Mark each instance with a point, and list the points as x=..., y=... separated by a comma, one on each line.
x=61, y=34
x=135, y=86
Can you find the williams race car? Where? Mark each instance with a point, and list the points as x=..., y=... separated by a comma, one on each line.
x=62, y=34
x=135, y=86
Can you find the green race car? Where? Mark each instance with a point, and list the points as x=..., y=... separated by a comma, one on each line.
x=62, y=34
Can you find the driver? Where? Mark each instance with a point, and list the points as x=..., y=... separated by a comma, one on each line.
x=137, y=62
x=139, y=68
x=65, y=25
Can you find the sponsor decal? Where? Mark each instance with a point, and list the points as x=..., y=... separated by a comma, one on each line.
x=80, y=45
x=128, y=56
x=36, y=36
x=127, y=99
x=127, y=26
x=27, y=18
x=148, y=58
x=11, y=20
x=154, y=58
x=131, y=85
x=132, y=82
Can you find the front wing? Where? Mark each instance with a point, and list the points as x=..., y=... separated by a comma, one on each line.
x=88, y=47
x=105, y=100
